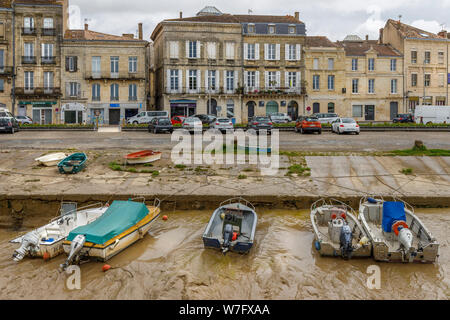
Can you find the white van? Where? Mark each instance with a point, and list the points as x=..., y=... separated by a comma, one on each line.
x=147, y=116
x=432, y=114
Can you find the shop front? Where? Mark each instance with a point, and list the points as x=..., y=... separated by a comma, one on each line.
x=184, y=108
x=73, y=113
x=40, y=111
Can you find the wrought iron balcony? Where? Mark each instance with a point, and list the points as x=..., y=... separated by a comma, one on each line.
x=29, y=60
x=48, y=60
x=48, y=31
x=38, y=92
x=27, y=31
x=6, y=70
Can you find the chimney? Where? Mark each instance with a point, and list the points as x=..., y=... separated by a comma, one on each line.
x=128, y=35
x=380, y=39
x=297, y=15
x=86, y=27
x=141, y=34
x=443, y=34
x=367, y=37
x=181, y=14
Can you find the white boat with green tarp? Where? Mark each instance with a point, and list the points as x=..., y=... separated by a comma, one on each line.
x=124, y=223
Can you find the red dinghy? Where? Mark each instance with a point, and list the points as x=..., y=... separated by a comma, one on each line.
x=145, y=156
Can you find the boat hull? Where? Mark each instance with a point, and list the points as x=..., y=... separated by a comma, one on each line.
x=73, y=164
x=51, y=160
x=145, y=159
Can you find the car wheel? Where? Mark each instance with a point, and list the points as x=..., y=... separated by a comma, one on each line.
x=155, y=131
x=135, y=122
x=320, y=132
x=296, y=129
x=301, y=131
x=12, y=130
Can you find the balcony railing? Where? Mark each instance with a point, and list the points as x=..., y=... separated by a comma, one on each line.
x=47, y=91
x=132, y=98
x=6, y=70
x=48, y=60
x=106, y=75
x=48, y=31
x=27, y=31
x=28, y=60
x=261, y=91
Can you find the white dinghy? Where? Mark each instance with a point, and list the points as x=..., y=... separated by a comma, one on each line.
x=47, y=241
x=397, y=234
x=51, y=160
x=337, y=230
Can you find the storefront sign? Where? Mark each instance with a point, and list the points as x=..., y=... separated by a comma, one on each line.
x=40, y=103
x=114, y=105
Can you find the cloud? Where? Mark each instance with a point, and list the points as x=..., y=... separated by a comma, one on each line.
x=373, y=24
x=430, y=25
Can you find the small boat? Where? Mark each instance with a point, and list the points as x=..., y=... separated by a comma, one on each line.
x=124, y=223
x=48, y=240
x=396, y=233
x=231, y=227
x=142, y=157
x=73, y=163
x=337, y=230
x=51, y=160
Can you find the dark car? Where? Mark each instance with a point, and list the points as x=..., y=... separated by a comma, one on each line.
x=9, y=125
x=160, y=125
x=403, y=118
x=307, y=124
x=206, y=118
x=260, y=123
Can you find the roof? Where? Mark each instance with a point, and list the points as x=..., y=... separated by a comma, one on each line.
x=353, y=48
x=92, y=35
x=209, y=10
x=224, y=18
x=408, y=31
x=319, y=41
x=228, y=18
x=7, y=3
x=352, y=37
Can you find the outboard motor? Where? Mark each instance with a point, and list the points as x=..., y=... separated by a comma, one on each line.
x=30, y=243
x=346, y=242
x=227, y=237
x=75, y=247
x=405, y=237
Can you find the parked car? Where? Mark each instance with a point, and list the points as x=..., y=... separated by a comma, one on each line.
x=206, y=118
x=160, y=125
x=345, y=125
x=307, y=124
x=260, y=123
x=403, y=118
x=280, y=118
x=326, y=118
x=223, y=124
x=147, y=116
x=177, y=119
x=8, y=124
x=24, y=120
x=192, y=124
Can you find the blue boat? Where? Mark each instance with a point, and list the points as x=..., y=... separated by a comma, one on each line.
x=73, y=163
x=232, y=227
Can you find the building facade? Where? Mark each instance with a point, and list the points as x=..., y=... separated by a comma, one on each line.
x=426, y=63
x=105, y=77
x=234, y=66
x=6, y=54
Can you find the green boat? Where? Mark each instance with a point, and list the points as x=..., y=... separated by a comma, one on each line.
x=73, y=163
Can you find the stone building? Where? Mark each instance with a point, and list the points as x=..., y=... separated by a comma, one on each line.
x=324, y=76
x=6, y=54
x=374, y=79
x=426, y=66
x=104, y=76
x=232, y=66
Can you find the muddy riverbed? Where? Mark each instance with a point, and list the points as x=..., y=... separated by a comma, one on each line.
x=171, y=263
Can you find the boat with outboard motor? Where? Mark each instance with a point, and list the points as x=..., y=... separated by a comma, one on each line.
x=47, y=241
x=124, y=223
x=232, y=227
x=396, y=233
x=337, y=230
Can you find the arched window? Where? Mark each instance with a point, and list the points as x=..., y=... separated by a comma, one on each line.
x=271, y=107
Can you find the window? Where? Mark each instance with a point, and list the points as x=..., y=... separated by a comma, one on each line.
x=355, y=83
x=331, y=82
x=212, y=80
x=251, y=51
x=96, y=92
x=292, y=29
x=272, y=79
x=2, y=59
x=2, y=85
x=29, y=49
x=114, y=92
x=29, y=80
x=229, y=48
x=47, y=50
x=354, y=64
x=114, y=64
x=316, y=64
x=174, y=49
x=132, y=92
x=230, y=81
x=292, y=52
x=292, y=79
x=393, y=64
x=230, y=109
x=393, y=86
x=330, y=64
x=74, y=89
x=427, y=57
x=174, y=80
x=272, y=51
x=96, y=65
x=331, y=107
x=48, y=23
x=441, y=57
x=371, y=64
x=316, y=82
x=440, y=101
x=72, y=63
x=211, y=48
x=192, y=49
x=427, y=80
x=441, y=79
x=28, y=23
x=192, y=79
x=132, y=64
x=251, y=28
x=371, y=86
x=414, y=80
x=271, y=29
x=357, y=111
x=413, y=56
x=251, y=79
x=48, y=80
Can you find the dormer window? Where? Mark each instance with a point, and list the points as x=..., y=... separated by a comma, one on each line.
x=271, y=29
x=251, y=28
x=291, y=29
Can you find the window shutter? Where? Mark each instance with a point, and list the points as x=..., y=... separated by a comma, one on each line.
x=206, y=81
x=169, y=89
x=245, y=51
x=278, y=75
x=42, y=50
x=218, y=80
x=266, y=79
x=187, y=50
x=266, y=51
x=236, y=79
x=257, y=79
x=75, y=63
x=67, y=63
x=78, y=89
x=286, y=79
x=180, y=81
x=298, y=50
x=286, y=52
x=198, y=50
x=199, y=80
x=225, y=89
x=187, y=80
x=277, y=52
x=67, y=89
x=245, y=79
x=298, y=77
x=257, y=51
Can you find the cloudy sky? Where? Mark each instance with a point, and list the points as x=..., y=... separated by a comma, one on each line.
x=331, y=18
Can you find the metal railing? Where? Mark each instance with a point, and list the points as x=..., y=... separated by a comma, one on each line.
x=246, y=91
x=6, y=70
x=239, y=200
x=48, y=60
x=28, y=59
x=29, y=31
x=48, y=31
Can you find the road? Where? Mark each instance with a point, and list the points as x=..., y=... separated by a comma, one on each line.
x=367, y=141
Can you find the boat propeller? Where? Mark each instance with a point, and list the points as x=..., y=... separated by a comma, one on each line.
x=75, y=248
x=346, y=242
x=30, y=242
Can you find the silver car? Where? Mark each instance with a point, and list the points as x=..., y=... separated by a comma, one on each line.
x=222, y=124
x=326, y=118
x=280, y=118
x=192, y=124
x=24, y=120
